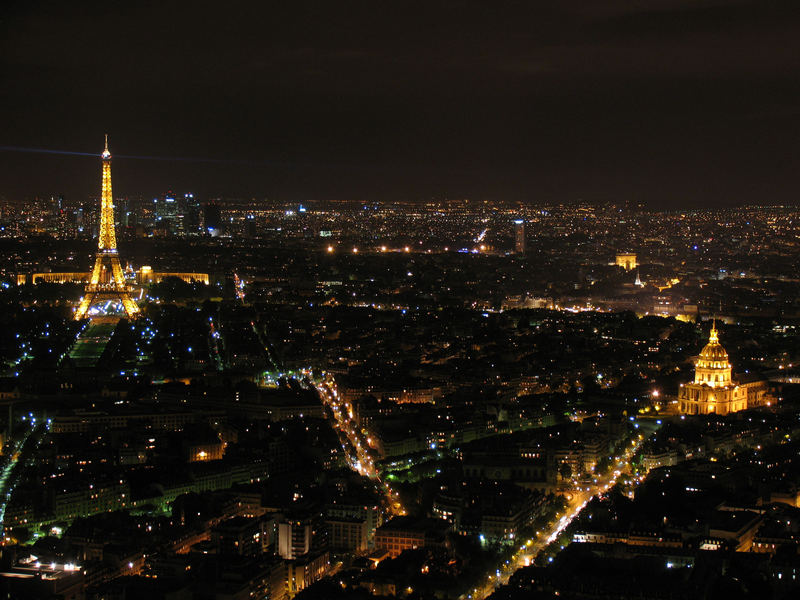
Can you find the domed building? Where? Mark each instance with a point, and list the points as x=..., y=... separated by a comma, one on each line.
x=712, y=366
x=714, y=390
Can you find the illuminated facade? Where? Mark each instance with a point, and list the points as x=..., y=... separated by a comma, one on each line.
x=626, y=260
x=107, y=282
x=146, y=275
x=143, y=276
x=713, y=389
x=81, y=277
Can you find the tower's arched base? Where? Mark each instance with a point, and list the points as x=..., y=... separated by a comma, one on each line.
x=95, y=297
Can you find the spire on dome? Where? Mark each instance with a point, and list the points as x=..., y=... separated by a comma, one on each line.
x=713, y=336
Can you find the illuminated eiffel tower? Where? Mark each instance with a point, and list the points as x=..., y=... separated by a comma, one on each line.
x=107, y=281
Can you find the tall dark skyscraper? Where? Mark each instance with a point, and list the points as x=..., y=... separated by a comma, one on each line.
x=192, y=213
x=519, y=236
x=212, y=218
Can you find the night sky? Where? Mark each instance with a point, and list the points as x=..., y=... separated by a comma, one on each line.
x=668, y=102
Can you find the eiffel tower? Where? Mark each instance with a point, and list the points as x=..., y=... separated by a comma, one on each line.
x=107, y=281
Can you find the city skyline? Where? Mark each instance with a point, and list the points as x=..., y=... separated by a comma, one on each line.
x=351, y=389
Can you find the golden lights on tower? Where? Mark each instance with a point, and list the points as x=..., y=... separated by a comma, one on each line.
x=107, y=282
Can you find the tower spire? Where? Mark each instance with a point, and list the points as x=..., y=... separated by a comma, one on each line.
x=107, y=281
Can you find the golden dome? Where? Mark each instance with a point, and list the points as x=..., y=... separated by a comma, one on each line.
x=712, y=366
x=714, y=352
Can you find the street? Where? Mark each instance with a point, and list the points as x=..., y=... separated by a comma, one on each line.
x=580, y=497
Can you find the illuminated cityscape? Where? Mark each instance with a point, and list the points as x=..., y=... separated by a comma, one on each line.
x=449, y=305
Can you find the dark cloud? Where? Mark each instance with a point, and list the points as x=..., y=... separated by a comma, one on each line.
x=671, y=102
